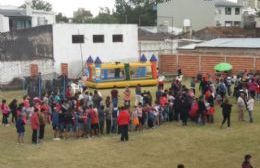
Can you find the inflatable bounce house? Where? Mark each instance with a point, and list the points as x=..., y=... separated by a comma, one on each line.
x=107, y=75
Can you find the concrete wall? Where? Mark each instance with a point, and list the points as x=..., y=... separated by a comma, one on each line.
x=50, y=18
x=19, y=69
x=200, y=12
x=148, y=48
x=67, y=52
x=4, y=24
x=193, y=63
x=27, y=44
x=221, y=16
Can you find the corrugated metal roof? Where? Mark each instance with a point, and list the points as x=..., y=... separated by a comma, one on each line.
x=12, y=12
x=232, y=43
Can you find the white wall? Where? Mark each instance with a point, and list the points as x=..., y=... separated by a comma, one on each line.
x=222, y=17
x=148, y=48
x=4, y=24
x=66, y=52
x=48, y=16
x=257, y=19
x=14, y=69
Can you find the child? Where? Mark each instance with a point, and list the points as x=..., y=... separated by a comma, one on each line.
x=246, y=163
x=35, y=125
x=250, y=108
x=123, y=122
x=94, y=121
x=226, y=110
x=42, y=121
x=5, y=110
x=20, y=129
x=55, y=122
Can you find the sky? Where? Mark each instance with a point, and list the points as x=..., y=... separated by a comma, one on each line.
x=68, y=6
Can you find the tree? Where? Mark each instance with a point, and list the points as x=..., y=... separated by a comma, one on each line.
x=141, y=12
x=38, y=5
x=61, y=19
x=105, y=16
x=82, y=16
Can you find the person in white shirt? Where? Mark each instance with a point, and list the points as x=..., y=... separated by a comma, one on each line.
x=241, y=106
x=250, y=108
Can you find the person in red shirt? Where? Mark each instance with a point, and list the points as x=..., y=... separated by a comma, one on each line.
x=35, y=125
x=123, y=122
x=94, y=120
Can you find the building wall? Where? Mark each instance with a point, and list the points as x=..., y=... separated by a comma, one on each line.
x=221, y=16
x=66, y=52
x=27, y=44
x=200, y=12
x=4, y=24
x=36, y=16
x=193, y=63
x=19, y=69
x=148, y=48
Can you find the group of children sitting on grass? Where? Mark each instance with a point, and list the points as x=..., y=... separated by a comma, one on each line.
x=88, y=114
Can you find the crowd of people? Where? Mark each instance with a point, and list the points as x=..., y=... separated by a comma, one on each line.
x=90, y=114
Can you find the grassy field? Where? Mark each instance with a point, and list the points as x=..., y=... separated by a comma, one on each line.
x=195, y=146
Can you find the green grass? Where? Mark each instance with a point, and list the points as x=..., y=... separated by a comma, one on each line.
x=195, y=146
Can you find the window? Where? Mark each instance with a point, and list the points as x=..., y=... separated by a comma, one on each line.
x=237, y=11
x=118, y=38
x=218, y=23
x=228, y=11
x=76, y=39
x=98, y=39
x=228, y=23
x=237, y=23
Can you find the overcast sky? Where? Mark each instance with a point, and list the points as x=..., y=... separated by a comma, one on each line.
x=68, y=6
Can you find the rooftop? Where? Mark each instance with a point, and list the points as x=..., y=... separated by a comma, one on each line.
x=210, y=33
x=149, y=36
x=231, y=43
x=12, y=12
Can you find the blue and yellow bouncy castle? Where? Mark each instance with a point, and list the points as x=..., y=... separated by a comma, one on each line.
x=107, y=75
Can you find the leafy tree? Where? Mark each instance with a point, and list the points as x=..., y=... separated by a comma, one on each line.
x=141, y=12
x=82, y=16
x=105, y=16
x=38, y=5
x=61, y=19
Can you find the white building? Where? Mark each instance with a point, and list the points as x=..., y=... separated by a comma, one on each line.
x=14, y=18
x=110, y=42
x=228, y=14
x=51, y=46
x=197, y=13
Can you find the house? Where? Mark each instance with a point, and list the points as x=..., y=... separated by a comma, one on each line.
x=14, y=18
x=242, y=53
x=53, y=46
x=228, y=14
x=198, y=14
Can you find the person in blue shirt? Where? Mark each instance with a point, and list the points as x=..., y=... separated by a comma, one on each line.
x=20, y=129
x=55, y=123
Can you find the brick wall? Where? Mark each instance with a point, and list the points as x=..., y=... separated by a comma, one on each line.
x=193, y=63
x=167, y=64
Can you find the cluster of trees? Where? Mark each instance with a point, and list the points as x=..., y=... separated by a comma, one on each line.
x=141, y=12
